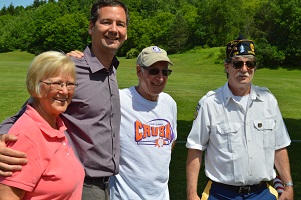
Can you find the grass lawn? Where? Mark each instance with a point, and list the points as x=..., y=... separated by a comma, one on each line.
x=193, y=75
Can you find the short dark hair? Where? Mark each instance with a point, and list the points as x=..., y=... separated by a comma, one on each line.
x=104, y=3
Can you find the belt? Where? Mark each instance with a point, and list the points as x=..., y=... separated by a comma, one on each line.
x=247, y=189
x=97, y=180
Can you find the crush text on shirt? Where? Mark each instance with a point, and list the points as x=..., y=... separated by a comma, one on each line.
x=157, y=132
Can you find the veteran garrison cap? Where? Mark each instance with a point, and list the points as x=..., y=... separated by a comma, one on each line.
x=152, y=54
x=240, y=46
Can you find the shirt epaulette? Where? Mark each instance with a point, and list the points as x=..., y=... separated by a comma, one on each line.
x=263, y=89
x=212, y=92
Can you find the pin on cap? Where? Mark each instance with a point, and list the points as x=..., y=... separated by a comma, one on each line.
x=151, y=55
x=240, y=46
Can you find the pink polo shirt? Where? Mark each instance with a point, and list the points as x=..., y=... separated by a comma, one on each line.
x=52, y=171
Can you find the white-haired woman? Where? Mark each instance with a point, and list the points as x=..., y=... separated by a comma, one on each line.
x=52, y=171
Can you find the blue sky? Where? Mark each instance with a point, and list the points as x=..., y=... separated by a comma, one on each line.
x=15, y=3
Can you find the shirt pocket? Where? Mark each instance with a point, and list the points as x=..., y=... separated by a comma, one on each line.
x=226, y=136
x=264, y=133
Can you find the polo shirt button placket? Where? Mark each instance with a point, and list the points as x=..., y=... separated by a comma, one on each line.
x=66, y=148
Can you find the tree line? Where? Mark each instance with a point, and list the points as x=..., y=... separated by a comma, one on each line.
x=175, y=25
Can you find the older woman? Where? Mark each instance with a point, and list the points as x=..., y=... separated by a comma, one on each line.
x=53, y=171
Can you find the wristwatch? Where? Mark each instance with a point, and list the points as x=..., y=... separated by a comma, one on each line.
x=288, y=184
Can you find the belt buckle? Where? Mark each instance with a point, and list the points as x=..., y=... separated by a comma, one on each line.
x=244, y=190
x=105, y=179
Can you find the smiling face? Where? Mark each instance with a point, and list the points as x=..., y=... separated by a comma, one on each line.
x=150, y=86
x=46, y=74
x=54, y=101
x=109, y=31
x=240, y=79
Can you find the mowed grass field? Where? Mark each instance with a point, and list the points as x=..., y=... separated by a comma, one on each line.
x=193, y=75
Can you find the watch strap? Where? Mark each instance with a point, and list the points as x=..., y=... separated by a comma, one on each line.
x=288, y=184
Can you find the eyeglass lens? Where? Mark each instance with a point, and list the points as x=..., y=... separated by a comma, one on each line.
x=155, y=71
x=59, y=85
x=240, y=64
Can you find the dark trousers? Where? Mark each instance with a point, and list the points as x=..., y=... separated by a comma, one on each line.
x=96, y=189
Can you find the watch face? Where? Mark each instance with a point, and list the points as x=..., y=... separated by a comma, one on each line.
x=288, y=184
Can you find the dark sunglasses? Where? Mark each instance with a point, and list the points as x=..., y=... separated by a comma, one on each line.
x=240, y=64
x=155, y=71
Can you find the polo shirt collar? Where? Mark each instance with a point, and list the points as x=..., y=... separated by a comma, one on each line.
x=44, y=126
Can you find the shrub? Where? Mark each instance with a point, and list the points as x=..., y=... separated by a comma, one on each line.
x=268, y=56
x=133, y=53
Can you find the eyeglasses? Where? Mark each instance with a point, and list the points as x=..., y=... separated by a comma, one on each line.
x=155, y=71
x=240, y=64
x=59, y=85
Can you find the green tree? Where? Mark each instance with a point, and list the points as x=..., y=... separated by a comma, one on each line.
x=67, y=33
x=158, y=28
x=3, y=11
x=177, y=34
x=69, y=6
x=137, y=34
x=222, y=21
x=37, y=3
x=279, y=22
x=175, y=25
x=41, y=17
x=6, y=28
x=190, y=18
x=10, y=9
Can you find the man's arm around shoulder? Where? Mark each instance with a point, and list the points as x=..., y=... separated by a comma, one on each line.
x=10, y=160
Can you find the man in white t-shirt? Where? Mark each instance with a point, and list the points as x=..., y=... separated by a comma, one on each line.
x=147, y=132
x=241, y=130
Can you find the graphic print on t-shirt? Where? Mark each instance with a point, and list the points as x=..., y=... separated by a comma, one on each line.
x=157, y=132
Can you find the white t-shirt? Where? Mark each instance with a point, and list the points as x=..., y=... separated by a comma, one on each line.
x=147, y=132
x=240, y=144
x=242, y=100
